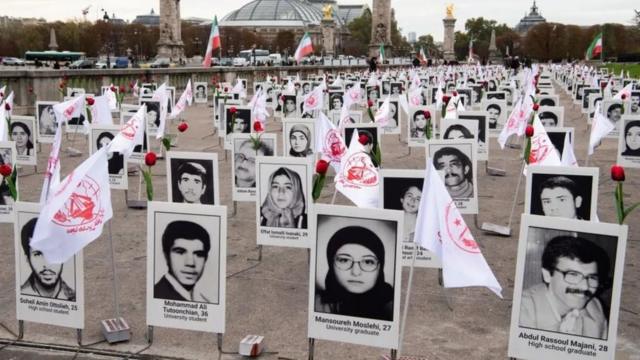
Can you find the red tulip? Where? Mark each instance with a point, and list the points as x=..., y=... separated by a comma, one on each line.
x=529, y=131
x=183, y=126
x=150, y=159
x=30, y=89
x=370, y=103
x=624, y=96
x=233, y=110
x=113, y=88
x=226, y=89
x=62, y=85
x=617, y=173
x=363, y=139
x=536, y=107
x=427, y=114
x=5, y=170
x=122, y=89
x=445, y=99
x=257, y=126
x=455, y=93
x=322, y=166
x=90, y=101
x=603, y=85
x=7, y=106
x=131, y=85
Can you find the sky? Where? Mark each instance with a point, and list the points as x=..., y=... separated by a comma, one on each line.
x=426, y=21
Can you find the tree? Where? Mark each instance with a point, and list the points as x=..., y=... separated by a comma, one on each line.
x=360, y=29
x=285, y=42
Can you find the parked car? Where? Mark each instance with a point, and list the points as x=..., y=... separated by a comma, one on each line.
x=276, y=59
x=13, y=61
x=83, y=64
x=102, y=64
x=161, y=63
x=121, y=63
x=240, y=61
x=225, y=61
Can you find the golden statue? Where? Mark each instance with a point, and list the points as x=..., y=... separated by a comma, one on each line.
x=327, y=10
x=450, y=10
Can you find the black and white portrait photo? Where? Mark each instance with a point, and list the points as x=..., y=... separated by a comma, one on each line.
x=335, y=100
x=455, y=161
x=243, y=163
x=355, y=273
x=289, y=106
x=46, y=120
x=101, y=136
x=567, y=288
x=561, y=138
x=373, y=94
x=393, y=126
x=480, y=117
x=192, y=178
x=298, y=137
x=551, y=116
x=496, y=95
x=402, y=190
x=242, y=122
x=7, y=157
x=200, y=93
x=613, y=110
x=567, y=192
x=22, y=132
x=586, y=93
x=629, y=142
x=55, y=285
x=548, y=100
x=283, y=201
x=634, y=103
x=186, y=244
x=152, y=118
x=496, y=115
x=396, y=89
x=368, y=133
x=453, y=129
x=420, y=118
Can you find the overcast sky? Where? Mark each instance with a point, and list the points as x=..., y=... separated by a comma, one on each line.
x=420, y=16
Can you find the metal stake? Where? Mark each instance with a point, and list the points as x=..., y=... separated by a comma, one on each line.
x=150, y=334
x=403, y=321
x=312, y=346
x=115, y=275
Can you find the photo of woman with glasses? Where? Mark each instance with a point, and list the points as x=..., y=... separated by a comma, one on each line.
x=284, y=205
x=355, y=284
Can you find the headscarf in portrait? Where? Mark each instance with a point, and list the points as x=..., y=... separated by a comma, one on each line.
x=273, y=215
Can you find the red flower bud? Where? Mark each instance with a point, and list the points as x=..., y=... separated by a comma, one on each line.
x=603, y=85
x=536, y=106
x=370, y=103
x=62, y=85
x=363, y=139
x=529, y=131
x=455, y=93
x=226, y=89
x=122, y=89
x=624, y=96
x=617, y=173
x=30, y=89
x=183, y=126
x=322, y=166
x=233, y=110
x=90, y=101
x=427, y=114
x=5, y=170
x=131, y=85
x=445, y=99
x=113, y=88
x=150, y=159
x=537, y=91
x=257, y=126
x=7, y=106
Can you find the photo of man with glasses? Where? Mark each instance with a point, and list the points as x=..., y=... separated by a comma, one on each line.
x=244, y=156
x=575, y=274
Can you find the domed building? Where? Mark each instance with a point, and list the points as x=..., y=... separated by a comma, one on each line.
x=528, y=21
x=269, y=17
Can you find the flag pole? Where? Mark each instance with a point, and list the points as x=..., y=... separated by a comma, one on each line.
x=403, y=321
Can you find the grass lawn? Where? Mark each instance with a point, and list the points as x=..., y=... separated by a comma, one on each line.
x=633, y=68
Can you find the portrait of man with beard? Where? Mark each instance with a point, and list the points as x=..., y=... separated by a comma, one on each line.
x=456, y=170
x=45, y=279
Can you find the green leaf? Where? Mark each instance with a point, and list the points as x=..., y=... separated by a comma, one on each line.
x=318, y=184
x=149, y=183
x=629, y=210
x=619, y=203
x=377, y=155
x=166, y=142
x=527, y=151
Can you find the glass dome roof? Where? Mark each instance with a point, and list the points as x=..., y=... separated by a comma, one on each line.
x=276, y=12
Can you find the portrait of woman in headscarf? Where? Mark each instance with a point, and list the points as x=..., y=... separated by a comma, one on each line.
x=284, y=205
x=632, y=138
x=300, y=141
x=355, y=283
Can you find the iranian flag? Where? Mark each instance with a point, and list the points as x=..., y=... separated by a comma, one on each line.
x=305, y=48
x=212, y=44
x=595, y=49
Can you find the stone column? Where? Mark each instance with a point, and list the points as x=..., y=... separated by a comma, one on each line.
x=494, y=55
x=449, y=38
x=380, y=27
x=328, y=37
x=170, y=43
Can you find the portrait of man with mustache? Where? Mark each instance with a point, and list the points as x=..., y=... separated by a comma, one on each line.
x=575, y=271
x=456, y=170
x=45, y=279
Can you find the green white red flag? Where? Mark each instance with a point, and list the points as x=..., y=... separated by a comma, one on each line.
x=212, y=44
x=305, y=48
x=595, y=49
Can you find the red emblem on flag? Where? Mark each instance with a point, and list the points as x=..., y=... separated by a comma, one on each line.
x=83, y=206
x=458, y=231
x=359, y=171
x=333, y=146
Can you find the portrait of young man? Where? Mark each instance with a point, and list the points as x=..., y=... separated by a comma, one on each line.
x=548, y=119
x=45, y=279
x=186, y=248
x=574, y=276
x=336, y=101
x=201, y=92
x=191, y=179
x=456, y=170
x=494, y=111
x=634, y=102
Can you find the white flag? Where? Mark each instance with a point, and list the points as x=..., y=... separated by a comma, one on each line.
x=52, y=174
x=626, y=91
x=352, y=96
x=543, y=152
x=4, y=132
x=258, y=106
x=185, y=99
x=451, y=111
x=238, y=88
x=383, y=115
x=9, y=101
x=329, y=142
x=68, y=110
x=517, y=119
x=441, y=229
x=358, y=178
x=111, y=97
x=76, y=211
x=131, y=134
x=100, y=112
x=415, y=96
x=162, y=96
x=314, y=100
x=568, y=155
x=136, y=89
x=600, y=127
